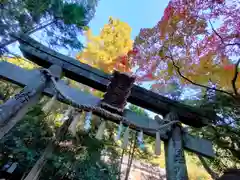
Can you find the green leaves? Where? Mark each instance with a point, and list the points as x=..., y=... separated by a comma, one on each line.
x=138, y=110
x=37, y=8
x=170, y=69
x=56, y=8
x=161, y=53
x=74, y=14
x=61, y=20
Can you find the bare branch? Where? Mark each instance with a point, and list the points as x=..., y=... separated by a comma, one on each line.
x=235, y=77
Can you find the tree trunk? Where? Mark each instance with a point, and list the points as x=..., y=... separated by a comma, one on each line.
x=34, y=174
x=207, y=168
x=131, y=155
x=120, y=165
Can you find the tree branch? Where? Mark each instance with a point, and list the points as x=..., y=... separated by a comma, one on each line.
x=235, y=77
x=236, y=66
x=200, y=85
x=220, y=37
x=35, y=29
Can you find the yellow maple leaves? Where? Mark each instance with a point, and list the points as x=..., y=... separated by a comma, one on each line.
x=21, y=62
x=103, y=51
x=211, y=68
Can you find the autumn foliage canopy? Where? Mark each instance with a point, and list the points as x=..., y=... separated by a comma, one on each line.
x=195, y=42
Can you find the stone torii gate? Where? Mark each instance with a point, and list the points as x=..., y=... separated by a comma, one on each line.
x=38, y=82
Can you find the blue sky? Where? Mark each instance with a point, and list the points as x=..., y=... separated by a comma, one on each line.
x=137, y=13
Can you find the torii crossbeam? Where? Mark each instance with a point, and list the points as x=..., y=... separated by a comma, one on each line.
x=83, y=73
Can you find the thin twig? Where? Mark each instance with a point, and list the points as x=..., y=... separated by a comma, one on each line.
x=235, y=77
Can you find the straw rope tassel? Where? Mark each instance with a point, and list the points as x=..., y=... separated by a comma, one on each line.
x=88, y=117
x=100, y=131
x=47, y=107
x=158, y=144
x=140, y=140
x=81, y=123
x=118, y=136
x=140, y=136
x=73, y=126
x=67, y=114
x=125, y=138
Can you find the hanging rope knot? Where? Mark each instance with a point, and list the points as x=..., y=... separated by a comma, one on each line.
x=165, y=126
x=53, y=72
x=46, y=73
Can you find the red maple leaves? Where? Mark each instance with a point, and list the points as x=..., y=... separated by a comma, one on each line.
x=229, y=67
x=132, y=52
x=168, y=12
x=219, y=1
